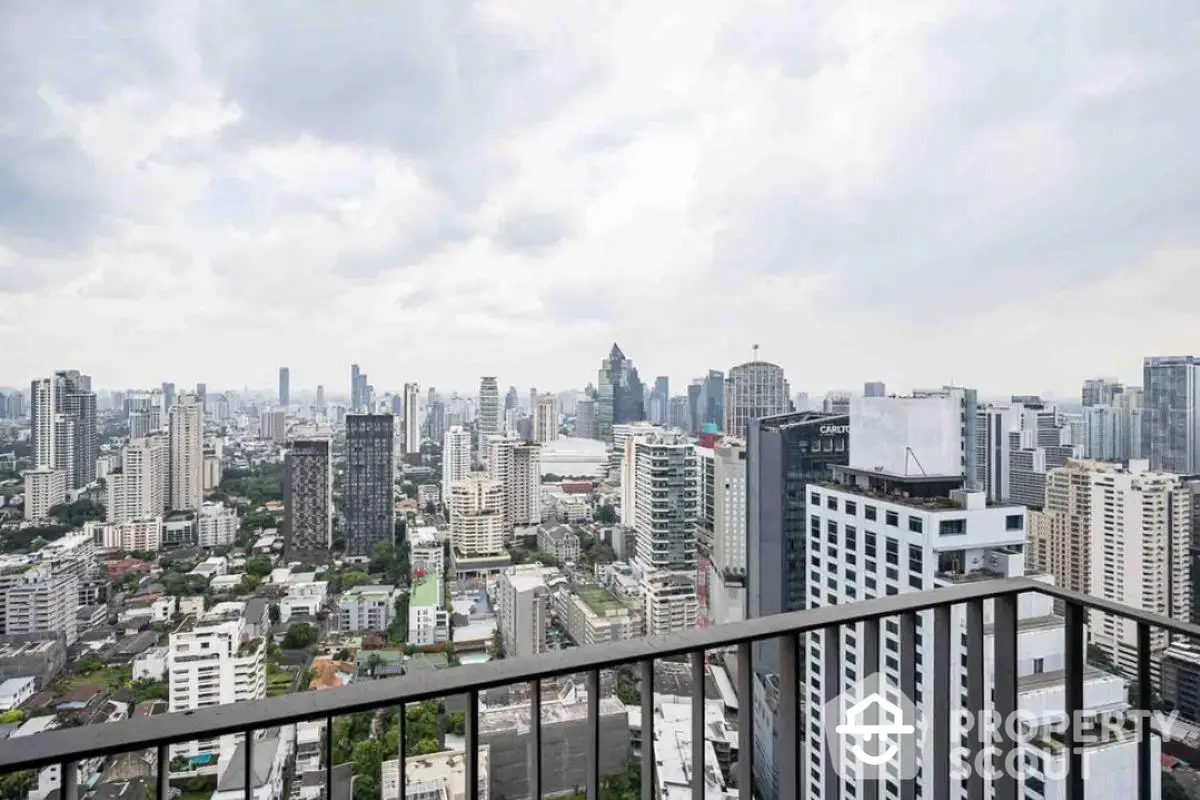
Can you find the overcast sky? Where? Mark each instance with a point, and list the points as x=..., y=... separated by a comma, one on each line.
x=1002, y=194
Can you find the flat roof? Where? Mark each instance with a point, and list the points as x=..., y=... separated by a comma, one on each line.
x=425, y=593
x=599, y=599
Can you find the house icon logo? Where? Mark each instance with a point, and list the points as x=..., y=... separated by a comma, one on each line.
x=871, y=732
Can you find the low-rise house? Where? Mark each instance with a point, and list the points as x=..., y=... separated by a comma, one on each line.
x=560, y=541
x=366, y=608
x=151, y=665
x=15, y=691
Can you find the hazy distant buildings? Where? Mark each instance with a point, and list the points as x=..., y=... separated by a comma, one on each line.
x=284, y=391
x=1101, y=392
x=545, y=418
x=585, y=418
x=308, y=501
x=874, y=389
x=370, y=508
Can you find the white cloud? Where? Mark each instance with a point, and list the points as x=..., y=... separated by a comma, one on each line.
x=915, y=192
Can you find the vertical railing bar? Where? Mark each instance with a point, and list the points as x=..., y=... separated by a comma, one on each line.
x=68, y=780
x=1145, y=703
x=472, y=742
x=535, y=729
x=1004, y=668
x=745, y=694
x=870, y=667
x=1075, y=657
x=163, y=780
x=328, y=759
x=831, y=686
x=939, y=772
x=788, y=716
x=698, y=738
x=401, y=750
x=976, y=703
x=647, y=687
x=593, y=754
x=908, y=688
x=248, y=764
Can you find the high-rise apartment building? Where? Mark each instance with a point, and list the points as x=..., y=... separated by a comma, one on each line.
x=285, y=397
x=1107, y=437
x=187, y=453
x=754, y=390
x=516, y=466
x=1121, y=534
x=666, y=501
x=489, y=418
x=273, y=425
x=708, y=401
x=477, y=525
x=215, y=660
x=727, y=597
x=39, y=599
x=45, y=488
x=1171, y=413
x=412, y=418
x=63, y=432
x=168, y=395
x=308, y=501
x=141, y=489
x=619, y=396
x=456, y=457
x=370, y=463
x=320, y=402
x=435, y=421
x=545, y=418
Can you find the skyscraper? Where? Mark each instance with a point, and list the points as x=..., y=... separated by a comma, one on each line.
x=370, y=461
x=64, y=431
x=585, y=418
x=168, y=392
x=619, y=396
x=754, y=390
x=456, y=457
x=355, y=400
x=412, y=418
x=284, y=392
x=1170, y=413
x=660, y=400
x=320, y=395
x=187, y=453
x=489, y=409
x=545, y=418
x=784, y=454
x=1101, y=392
x=308, y=501
x=874, y=389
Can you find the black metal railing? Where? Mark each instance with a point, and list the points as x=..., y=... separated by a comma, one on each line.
x=67, y=748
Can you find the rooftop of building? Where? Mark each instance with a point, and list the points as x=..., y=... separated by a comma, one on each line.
x=600, y=600
x=368, y=590
x=936, y=503
x=516, y=717
x=425, y=593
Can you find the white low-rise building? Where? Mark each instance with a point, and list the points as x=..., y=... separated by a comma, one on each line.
x=366, y=608
x=15, y=691
x=217, y=525
x=152, y=664
x=439, y=776
x=669, y=601
x=428, y=618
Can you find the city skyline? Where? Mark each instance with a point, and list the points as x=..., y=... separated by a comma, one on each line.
x=575, y=178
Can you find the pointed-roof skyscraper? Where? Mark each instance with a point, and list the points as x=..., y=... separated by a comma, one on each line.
x=619, y=396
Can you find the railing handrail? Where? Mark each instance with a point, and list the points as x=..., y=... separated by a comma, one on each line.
x=58, y=746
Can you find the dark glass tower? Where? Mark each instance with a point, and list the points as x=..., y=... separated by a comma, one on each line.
x=620, y=396
x=785, y=453
x=370, y=509
x=307, y=501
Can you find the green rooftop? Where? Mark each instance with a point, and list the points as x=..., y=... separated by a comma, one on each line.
x=425, y=593
x=601, y=601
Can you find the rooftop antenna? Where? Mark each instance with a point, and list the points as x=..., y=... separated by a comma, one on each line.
x=755, y=353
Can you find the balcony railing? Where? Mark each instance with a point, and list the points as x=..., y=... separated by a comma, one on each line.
x=70, y=747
